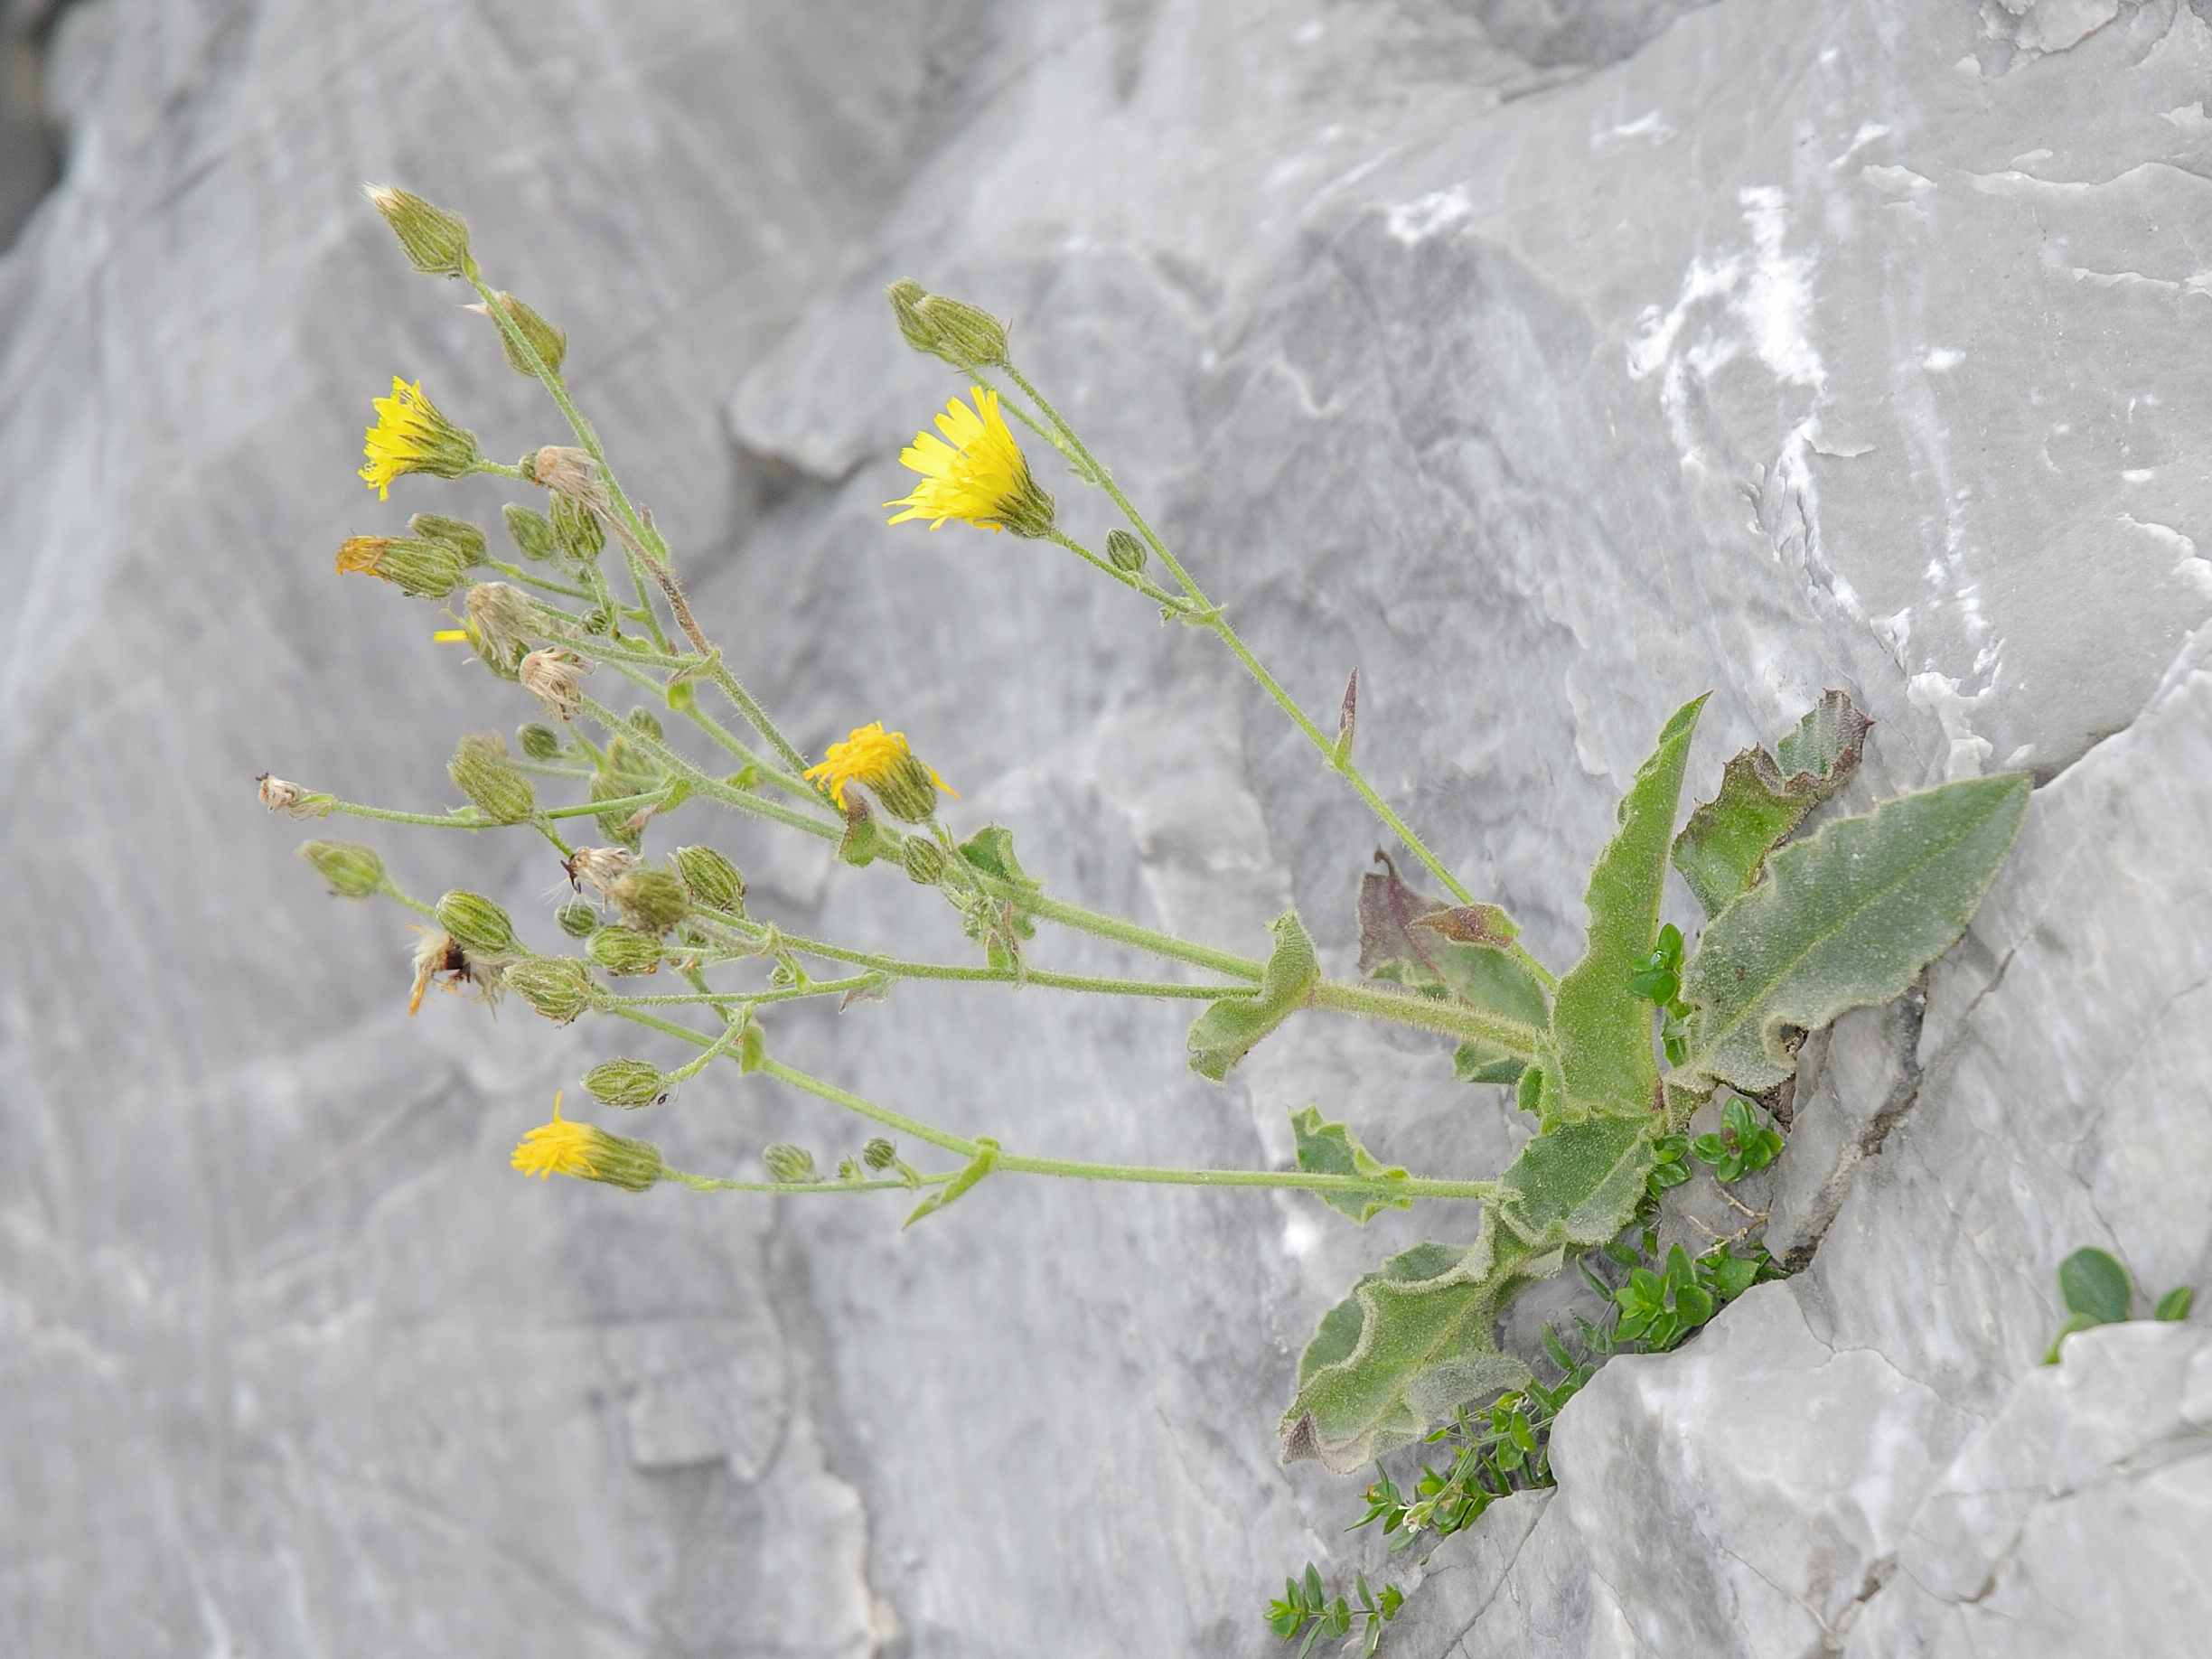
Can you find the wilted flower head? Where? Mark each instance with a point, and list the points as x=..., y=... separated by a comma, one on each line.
x=975, y=472
x=411, y=436
x=440, y=960
x=601, y=866
x=556, y=679
x=414, y=565
x=884, y=761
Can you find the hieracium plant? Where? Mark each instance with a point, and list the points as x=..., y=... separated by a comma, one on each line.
x=1611, y=1059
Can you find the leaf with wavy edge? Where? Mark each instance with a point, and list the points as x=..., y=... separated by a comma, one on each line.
x=1419, y=1335
x=1230, y=1029
x=1331, y=1148
x=1763, y=797
x=1600, y=1029
x=1846, y=920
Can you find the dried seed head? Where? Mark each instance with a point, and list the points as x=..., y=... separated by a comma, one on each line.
x=478, y=926
x=279, y=796
x=600, y=866
x=790, y=1163
x=425, y=568
x=651, y=900
x=556, y=679
x=624, y=950
x=628, y=1083
x=481, y=771
x=557, y=986
x=352, y=870
x=501, y=621
x=569, y=473
x=440, y=958
x=549, y=342
x=712, y=879
x=437, y=242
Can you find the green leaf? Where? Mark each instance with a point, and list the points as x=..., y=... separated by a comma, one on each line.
x=1476, y=1061
x=1602, y=1029
x=1418, y=1337
x=985, y=1160
x=1763, y=797
x=1228, y=1029
x=1413, y=940
x=2094, y=1284
x=990, y=849
x=1846, y=920
x=1331, y=1148
x=2174, y=1305
x=2074, y=1322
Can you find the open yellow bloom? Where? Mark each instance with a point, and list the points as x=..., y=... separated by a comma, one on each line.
x=564, y=1147
x=411, y=436
x=884, y=763
x=975, y=472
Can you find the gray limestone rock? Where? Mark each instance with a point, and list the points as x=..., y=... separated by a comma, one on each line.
x=1546, y=362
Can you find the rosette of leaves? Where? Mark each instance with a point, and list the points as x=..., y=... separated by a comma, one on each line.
x=1797, y=932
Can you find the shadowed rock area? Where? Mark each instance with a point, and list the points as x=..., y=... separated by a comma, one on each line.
x=1549, y=360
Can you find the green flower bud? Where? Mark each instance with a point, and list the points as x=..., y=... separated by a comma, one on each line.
x=530, y=530
x=458, y=534
x=648, y=722
x=623, y=950
x=352, y=870
x=1124, y=552
x=650, y=901
x=435, y=242
x=549, y=342
x=711, y=879
x=752, y=1047
x=557, y=986
x=481, y=771
x=879, y=1154
x=790, y=1163
x=628, y=1083
x=925, y=861
x=577, y=531
x=962, y=335
x=847, y=1169
x=620, y=1161
x=540, y=743
x=425, y=570
x=477, y=925
x=577, y=919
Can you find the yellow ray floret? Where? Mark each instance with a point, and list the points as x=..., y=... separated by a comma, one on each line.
x=976, y=473
x=885, y=764
x=410, y=435
x=562, y=1147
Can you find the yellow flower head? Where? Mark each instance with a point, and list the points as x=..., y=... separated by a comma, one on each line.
x=411, y=436
x=564, y=1147
x=883, y=761
x=976, y=473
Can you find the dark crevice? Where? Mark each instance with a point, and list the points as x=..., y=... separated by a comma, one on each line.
x=31, y=143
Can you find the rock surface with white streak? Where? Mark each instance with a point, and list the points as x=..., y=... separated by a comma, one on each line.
x=1548, y=359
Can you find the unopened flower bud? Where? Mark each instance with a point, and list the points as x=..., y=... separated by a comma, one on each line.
x=793, y=1165
x=648, y=722
x=501, y=621
x=437, y=242
x=549, y=342
x=426, y=570
x=481, y=771
x=1124, y=552
x=623, y=950
x=477, y=925
x=540, y=743
x=458, y=534
x=557, y=986
x=530, y=530
x=925, y=860
x=879, y=1154
x=556, y=679
x=352, y=870
x=629, y=1083
x=577, y=919
x=712, y=879
x=650, y=901
x=577, y=531
x=280, y=795
x=962, y=335
x=849, y=1169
